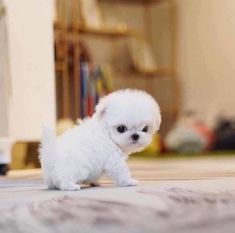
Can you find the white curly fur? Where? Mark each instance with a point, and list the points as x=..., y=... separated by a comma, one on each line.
x=83, y=153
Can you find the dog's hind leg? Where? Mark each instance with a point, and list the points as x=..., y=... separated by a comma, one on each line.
x=50, y=185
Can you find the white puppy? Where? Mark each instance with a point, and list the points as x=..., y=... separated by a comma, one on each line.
x=123, y=123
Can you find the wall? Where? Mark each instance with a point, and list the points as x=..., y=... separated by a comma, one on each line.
x=30, y=33
x=206, y=55
x=4, y=74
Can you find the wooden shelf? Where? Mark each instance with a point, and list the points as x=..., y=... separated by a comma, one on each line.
x=111, y=32
x=157, y=72
x=106, y=31
x=169, y=109
x=160, y=72
x=59, y=66
x=134, y=1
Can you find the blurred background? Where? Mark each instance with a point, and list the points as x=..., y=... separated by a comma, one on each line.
x=58, y=57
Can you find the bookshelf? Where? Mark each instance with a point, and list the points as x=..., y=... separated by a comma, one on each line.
x=68, y=35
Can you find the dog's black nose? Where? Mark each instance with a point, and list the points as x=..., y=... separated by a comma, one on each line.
x=135, y=137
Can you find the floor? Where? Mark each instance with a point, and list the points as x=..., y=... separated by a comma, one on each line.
x=180, y=195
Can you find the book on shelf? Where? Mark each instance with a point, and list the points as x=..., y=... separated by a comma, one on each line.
x=95, y=82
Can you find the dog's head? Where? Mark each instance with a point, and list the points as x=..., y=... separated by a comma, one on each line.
x=131, y=117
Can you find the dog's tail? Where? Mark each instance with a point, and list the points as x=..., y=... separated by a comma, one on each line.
x=47, y=146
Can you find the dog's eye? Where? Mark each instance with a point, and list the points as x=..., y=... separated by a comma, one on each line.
x=145, y=129
x=121, y=128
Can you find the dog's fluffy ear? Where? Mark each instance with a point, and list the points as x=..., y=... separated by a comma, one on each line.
x=101, y=107
x=157, y=117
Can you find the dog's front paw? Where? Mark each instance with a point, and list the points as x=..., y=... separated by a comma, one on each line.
x=132, y=182
x=69, y=187
x=129, y=182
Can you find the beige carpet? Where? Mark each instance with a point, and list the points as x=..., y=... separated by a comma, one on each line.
x=186, y=211
x=180, y=196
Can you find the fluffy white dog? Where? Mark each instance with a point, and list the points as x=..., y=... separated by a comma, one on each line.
x=123, y=123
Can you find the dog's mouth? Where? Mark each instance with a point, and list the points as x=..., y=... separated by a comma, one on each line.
x=134, y=142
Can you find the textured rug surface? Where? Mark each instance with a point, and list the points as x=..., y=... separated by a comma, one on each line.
x=179, y=196
x=185, y=211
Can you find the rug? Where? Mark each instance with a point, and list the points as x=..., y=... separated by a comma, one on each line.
x=185, y=211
